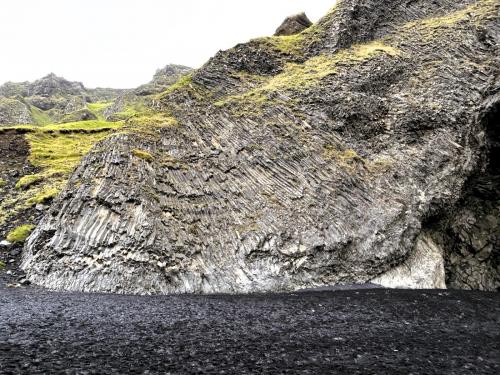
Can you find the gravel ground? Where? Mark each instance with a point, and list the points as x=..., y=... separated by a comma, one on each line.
x=368, y=331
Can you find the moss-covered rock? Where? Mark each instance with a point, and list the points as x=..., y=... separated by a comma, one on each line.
x=20, y=233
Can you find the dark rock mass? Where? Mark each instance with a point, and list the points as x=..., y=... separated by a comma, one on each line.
x=365, y=147
x=293, y=25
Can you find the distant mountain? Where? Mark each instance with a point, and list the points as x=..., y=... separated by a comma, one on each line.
x=48, y=100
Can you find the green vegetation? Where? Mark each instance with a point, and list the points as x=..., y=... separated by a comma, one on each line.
x=28, y=180
x=297, y=77
x=98, y=109
x=144, y=155
x=184, y=81
x=344, y=158
x=20, y=234
x=185, y=84
x=2, y=182
x=474, y=14
x=91, y=126
x=289, y=44
x=60, y=153
x=40, y=117
x=2, y=265
x=56, y=150
x=479, y=10
x=43, y=196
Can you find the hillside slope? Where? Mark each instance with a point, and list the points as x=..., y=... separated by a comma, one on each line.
x=36, y=160
x=326, y=157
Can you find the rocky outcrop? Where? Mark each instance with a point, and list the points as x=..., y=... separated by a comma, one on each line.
x=293, y=162
x=162, y=79
x=13, y=112
x=293, y=25
x=49, y=99
x=52, y=85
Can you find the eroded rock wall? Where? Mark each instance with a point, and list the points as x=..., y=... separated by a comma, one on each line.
x=286, y=170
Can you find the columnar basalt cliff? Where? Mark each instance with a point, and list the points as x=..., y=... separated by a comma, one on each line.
x=330, y=156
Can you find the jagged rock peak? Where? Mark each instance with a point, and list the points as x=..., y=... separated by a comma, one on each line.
x=293, y=25
x=162, y=79
x=52, y=84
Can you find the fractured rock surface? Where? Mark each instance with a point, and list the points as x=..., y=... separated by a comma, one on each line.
x=294, y=164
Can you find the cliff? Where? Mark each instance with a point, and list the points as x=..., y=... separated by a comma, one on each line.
x=362, y=145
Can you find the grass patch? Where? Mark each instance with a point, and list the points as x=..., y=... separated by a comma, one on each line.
x=40, y=117
x=20, y=234
x=28, y=180
x=44, y=196
x=301, y=76
x=98, y=109
x=479, y=10
x=83, y=126
x=144, y=155
x=58, y=153
x=184, y=81
x=286, y=44
x=345, y=158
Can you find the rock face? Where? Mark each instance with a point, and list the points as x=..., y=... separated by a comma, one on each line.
x=424, y=269
x=298, y=163
x=293, y=25
x=14, y=111
x=162, y=79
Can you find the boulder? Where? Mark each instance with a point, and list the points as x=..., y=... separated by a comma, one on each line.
x=293, y=25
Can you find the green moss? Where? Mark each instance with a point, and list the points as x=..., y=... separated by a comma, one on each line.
x=43, y=196
x=20, y=128
x=289, y=44
x=301, y=76
x=40, y=117
x=297, y=76
x=98, y=109
x=345, y=158
x=26, y=181
x=182, y=82
x=431, y=28
x=144, y=155
x=20, y=234
x=153, y=121
x=478, y=10
x=55, y=150
x=2, y=265
x=90, y=126
x=2, y=182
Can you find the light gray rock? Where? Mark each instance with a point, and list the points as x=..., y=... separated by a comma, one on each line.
x=424, y=269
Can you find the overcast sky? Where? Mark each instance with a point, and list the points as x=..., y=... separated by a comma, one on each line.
x=121, y=43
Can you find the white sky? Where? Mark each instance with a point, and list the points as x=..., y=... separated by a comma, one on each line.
x=121, y=43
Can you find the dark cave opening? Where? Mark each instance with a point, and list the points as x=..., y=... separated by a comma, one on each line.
x=470, y=234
